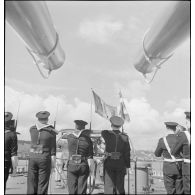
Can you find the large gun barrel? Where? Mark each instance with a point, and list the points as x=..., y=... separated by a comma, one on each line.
x=33, y=24
x=165, y=35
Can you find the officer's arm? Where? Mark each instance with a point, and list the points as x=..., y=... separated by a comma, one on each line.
x=127, y=154
x=14, y=145
x=177, y=148
x=159, y=149
x=90, y=153
x=14, y=149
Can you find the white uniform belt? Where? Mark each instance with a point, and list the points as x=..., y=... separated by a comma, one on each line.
x=187, y=160
x=171, y=160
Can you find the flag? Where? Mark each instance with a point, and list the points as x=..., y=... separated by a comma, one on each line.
x=122, y=110
x=102, y=108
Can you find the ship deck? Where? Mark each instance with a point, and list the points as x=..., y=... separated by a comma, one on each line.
x=18, y=185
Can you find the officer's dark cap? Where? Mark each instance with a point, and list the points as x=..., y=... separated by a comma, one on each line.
x=8, y=116
x=116, y=121
x=43, y=115
x=80, y=123
x=171, y=125
x=188, y=115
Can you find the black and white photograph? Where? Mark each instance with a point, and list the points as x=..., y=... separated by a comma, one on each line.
x=97, y=97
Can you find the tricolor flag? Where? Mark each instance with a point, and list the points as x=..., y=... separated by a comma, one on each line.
x=102, y=108
x=122, y=110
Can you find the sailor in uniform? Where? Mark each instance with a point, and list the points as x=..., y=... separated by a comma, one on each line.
x=172, y=164
x=11, y=146
x=42, y=154
x=117, y=151
x=80, y=148
x=183, y=146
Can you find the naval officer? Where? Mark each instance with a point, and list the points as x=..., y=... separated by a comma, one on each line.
x=42, y=154
x=11, y=146
x=172, y=165
x=80, y=149
x=117, y=150
x=183, y=146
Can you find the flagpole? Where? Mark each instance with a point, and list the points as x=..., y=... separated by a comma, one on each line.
x=90, y=112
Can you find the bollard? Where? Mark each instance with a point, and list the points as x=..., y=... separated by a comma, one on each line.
x=142, y=177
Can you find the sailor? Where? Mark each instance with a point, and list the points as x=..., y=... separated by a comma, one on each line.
x=183, y=146
x=117, y=150
x=172, y=164
x=11, y=146
x=80, y=149
x=42, y=154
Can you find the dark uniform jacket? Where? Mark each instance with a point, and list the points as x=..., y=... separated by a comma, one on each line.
x=182, y=146
x=47, y=139
x=169, y=168
x=85, y=145
x=11, y=144
x=122, y=146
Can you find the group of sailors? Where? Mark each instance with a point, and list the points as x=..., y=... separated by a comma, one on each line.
x=175, y=149
x=42, y=156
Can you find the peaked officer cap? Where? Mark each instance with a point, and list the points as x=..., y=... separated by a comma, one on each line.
x=80, y=122
x=42, y=115
x=188, y=114
x=8, y=116
x=117, y=121
x=171, y=125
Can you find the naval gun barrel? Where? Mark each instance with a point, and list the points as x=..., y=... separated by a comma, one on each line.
x=32, y=22
x=164, y=36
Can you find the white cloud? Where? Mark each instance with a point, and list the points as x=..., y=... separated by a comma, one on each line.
x=147, y=123
x=100, y=30
x=133, y=89
x=145, y=128
x=175, y=110
x=183, y=103
x=64, y=113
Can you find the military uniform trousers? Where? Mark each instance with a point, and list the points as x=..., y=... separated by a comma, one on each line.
x=114, y=180
x=38, y=175
x=173, y=184
x=7, y=167
x=186, y=178
x=77, y=175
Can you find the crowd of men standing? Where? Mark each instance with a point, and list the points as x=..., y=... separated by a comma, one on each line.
x=80, y=147
x=175, y=149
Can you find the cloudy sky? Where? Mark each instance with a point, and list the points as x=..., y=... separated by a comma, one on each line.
x=101, y=41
